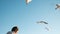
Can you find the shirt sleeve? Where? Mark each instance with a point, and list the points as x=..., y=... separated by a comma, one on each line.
x=9, y=32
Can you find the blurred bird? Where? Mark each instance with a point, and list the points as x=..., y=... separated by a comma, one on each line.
x=42, y=22
x=57, y=6
x=28, y=1
x=45, y=24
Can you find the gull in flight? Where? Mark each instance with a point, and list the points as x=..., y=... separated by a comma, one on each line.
x=28, y=1
x=57, y=6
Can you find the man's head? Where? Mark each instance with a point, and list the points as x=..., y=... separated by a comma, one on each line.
x=14, y=29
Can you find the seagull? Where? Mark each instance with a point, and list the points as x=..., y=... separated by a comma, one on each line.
x=42, y=22
x=45, y=24
x=57, y=6
x=28, y=1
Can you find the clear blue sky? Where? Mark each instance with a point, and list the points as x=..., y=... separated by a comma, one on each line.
x=16, y=12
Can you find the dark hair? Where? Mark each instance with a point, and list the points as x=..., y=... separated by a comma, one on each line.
x=14, y=28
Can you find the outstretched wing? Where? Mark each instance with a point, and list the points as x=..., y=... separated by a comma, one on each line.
x=47, y=28
x=42, y=22
x=9, y=32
